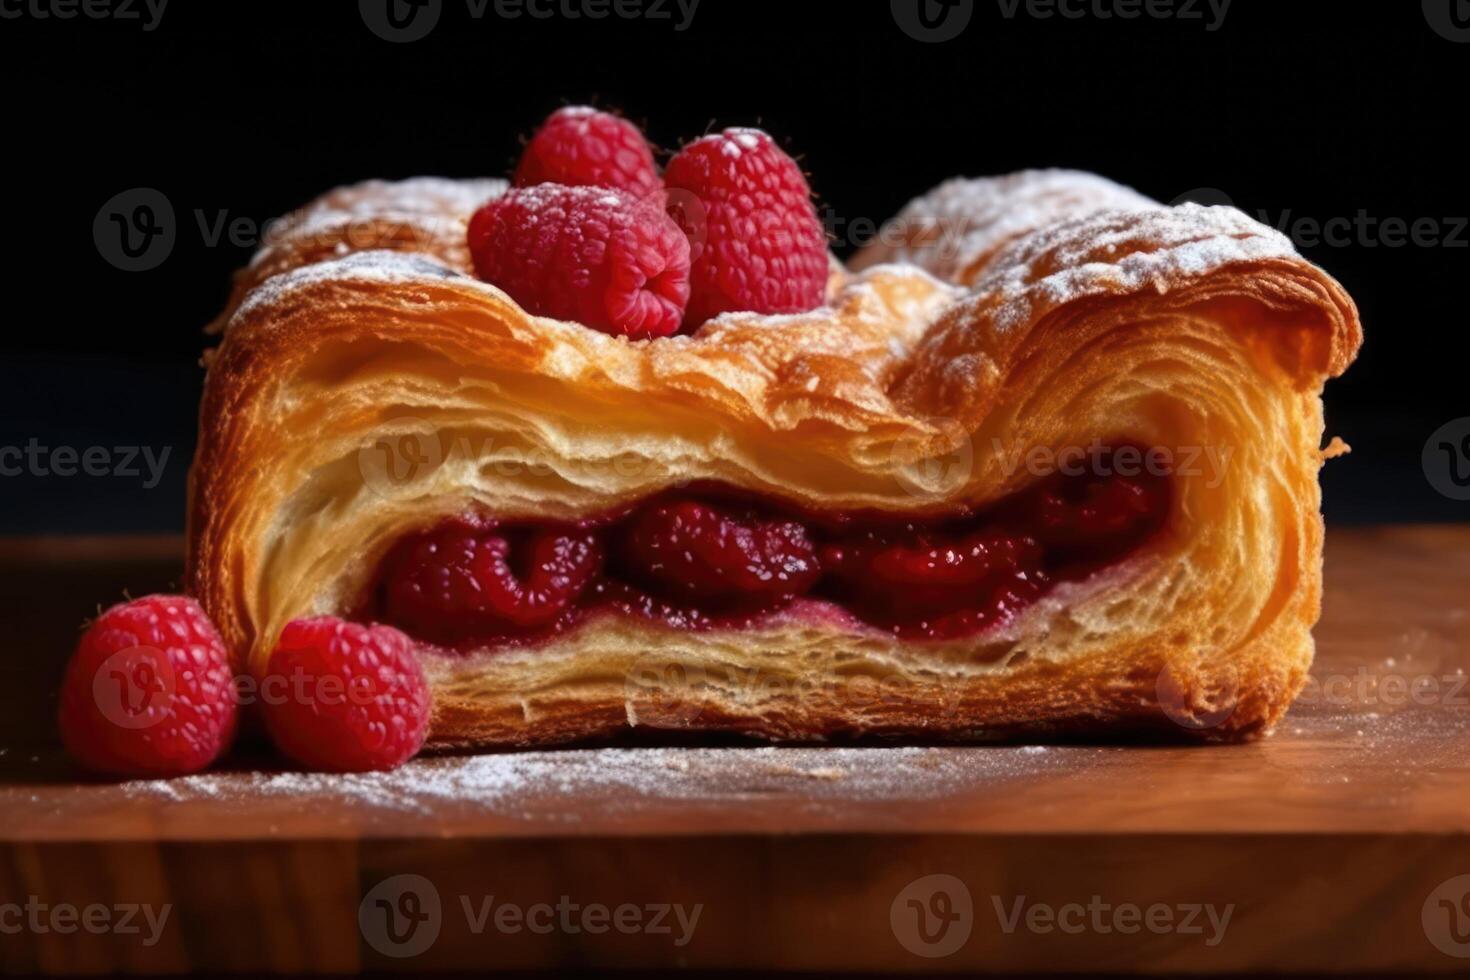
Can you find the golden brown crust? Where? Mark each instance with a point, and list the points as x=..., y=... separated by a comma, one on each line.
x=360, y=398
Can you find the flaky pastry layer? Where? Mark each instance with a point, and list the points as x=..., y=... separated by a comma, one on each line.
x=368, y=386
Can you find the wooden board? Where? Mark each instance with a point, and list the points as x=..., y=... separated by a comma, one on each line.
x=1336, y=845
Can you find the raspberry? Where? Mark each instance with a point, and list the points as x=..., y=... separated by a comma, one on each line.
x=687, y=550
x=581, y=146
x=593, y=255
x=1088, y=517
x=757, y=242
x=342, y=697
x=148, y=691
x=460, y=583
x=902, y=575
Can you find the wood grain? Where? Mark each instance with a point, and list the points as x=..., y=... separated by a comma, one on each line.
x=1327, y=838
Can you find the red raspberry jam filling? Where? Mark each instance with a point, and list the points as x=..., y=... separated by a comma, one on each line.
x=709, y=556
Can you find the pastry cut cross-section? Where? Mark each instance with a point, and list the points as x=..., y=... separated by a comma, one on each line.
x=1044, y=464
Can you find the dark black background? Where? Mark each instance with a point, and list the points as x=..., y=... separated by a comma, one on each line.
x=1308, y=110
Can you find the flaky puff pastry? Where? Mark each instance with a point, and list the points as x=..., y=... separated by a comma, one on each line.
x=368, y=387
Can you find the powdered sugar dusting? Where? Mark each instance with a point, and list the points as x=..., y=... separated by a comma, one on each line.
x=955, y=229
x=518, y=783
x=427, y=208
x=429, y=196
x=1120, y=251
x=381, y=266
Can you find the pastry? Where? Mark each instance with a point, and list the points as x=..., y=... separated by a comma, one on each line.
x=1045, y=462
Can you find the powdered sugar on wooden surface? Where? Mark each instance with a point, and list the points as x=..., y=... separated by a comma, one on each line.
x=515, y=782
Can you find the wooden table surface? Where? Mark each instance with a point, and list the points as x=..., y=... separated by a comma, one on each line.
x=1335, y=844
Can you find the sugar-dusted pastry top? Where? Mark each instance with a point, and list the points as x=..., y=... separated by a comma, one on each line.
x=903, y=347
x=426, y=215
x=956, y=229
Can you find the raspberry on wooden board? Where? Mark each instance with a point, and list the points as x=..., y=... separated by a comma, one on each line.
x=344, y=697
x=148, y=691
